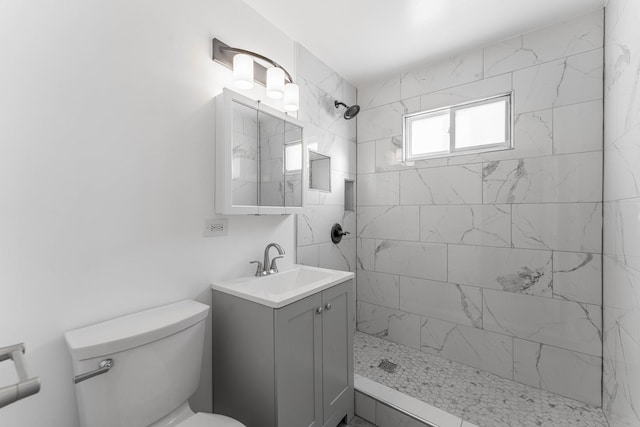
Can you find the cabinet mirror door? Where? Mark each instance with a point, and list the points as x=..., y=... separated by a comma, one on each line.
x=271, y=139
x=245, y=156
x=293, y=155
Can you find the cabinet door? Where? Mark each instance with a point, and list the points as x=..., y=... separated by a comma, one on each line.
x=299, y=363
x=337, y=349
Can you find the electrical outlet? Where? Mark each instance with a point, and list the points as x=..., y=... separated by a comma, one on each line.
x=216, y=227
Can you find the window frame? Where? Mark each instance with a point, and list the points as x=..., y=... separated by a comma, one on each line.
x=407, y=119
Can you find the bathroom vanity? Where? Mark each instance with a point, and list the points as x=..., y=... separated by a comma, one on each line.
x=283, y=348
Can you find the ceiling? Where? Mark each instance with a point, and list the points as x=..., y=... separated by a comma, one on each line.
x=367, y=39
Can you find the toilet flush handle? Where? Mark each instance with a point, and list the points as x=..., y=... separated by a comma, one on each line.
x=103, y=368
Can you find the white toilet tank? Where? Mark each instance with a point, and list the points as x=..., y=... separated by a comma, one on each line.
x=156, y=356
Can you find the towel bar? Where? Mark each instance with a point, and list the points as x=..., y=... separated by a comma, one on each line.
x=25, y=386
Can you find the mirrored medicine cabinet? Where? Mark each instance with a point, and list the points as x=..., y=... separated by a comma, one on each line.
x=260, y=158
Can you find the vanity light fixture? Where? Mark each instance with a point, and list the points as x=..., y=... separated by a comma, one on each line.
x=276, y=78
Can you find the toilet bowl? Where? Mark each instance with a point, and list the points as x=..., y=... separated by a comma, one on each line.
x=153, y=367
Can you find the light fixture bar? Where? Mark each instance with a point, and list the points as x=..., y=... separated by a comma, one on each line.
x=223, y=54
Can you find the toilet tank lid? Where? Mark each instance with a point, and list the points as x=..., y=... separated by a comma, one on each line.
x=126, y=332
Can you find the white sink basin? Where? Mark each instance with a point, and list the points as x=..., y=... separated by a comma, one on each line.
x=284, y=287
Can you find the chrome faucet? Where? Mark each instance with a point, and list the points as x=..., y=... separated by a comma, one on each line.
x=264, y=268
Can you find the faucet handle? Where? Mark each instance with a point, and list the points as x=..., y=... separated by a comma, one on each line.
x=274, y=267
x=259, y=269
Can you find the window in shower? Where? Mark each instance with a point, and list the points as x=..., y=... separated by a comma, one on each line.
x=469, y=128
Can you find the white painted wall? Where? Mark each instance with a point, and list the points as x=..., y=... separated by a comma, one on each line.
x=107, y=172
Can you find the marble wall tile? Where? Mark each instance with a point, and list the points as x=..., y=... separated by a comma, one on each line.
x=488, y=225
x=555, y=42
x=513, y=270
x=397, y=326
x=384, y=121
x=439, y=186
x=365, y=407
x=378, y=288
x=307, y=255
x=566, y=178
x=533, y=133
x=474, y=347
x=622, y=59
x=563, y=324
x=317, y=72
x=621, y=378
x=565, y=372
x=577, y=277
x=423, y=260
x=365, y=253
x=558, y=226
x=578, y=128
x=314, y=224
x=367, y=157
x=453, y=71
x=444, y=301
x=341, y=256
x=621, y=159
x=467, y=92
x=621, y=284
x=389, y=222
x=384, y=91
x=379, y=189
x=566, y=81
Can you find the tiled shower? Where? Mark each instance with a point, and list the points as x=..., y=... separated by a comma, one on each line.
x=495, y=260
x=492, y=260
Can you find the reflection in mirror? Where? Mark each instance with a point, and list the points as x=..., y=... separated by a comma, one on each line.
x=293, y=165
x=271, y=165
x=319, y=171
x=245, y=155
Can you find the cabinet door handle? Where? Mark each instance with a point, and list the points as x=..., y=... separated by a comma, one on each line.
x=319, y=310
x=328, y=306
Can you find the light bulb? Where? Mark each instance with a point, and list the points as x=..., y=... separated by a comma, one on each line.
x=291, y=97
x=275, y=83
x=243, y=71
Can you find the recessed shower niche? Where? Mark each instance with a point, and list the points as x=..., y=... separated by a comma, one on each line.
x=260, y=160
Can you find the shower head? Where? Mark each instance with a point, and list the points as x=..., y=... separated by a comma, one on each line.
x=351, y=112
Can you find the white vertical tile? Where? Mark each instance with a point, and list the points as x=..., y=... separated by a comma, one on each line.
x=366, y=157
x=365, y=407
x=365, y=249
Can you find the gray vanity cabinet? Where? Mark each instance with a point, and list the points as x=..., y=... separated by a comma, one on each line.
x=285, y=367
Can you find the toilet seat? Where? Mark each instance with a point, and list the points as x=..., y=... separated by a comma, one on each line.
x=202, y=419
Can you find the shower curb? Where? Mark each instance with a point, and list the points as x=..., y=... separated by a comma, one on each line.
x=373, y=399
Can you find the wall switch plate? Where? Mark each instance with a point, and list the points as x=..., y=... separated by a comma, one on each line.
x=216, y=227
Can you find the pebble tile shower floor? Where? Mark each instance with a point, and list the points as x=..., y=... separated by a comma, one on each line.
x=473, y=395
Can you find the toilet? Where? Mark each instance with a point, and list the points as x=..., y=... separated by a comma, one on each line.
x=155, y=367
